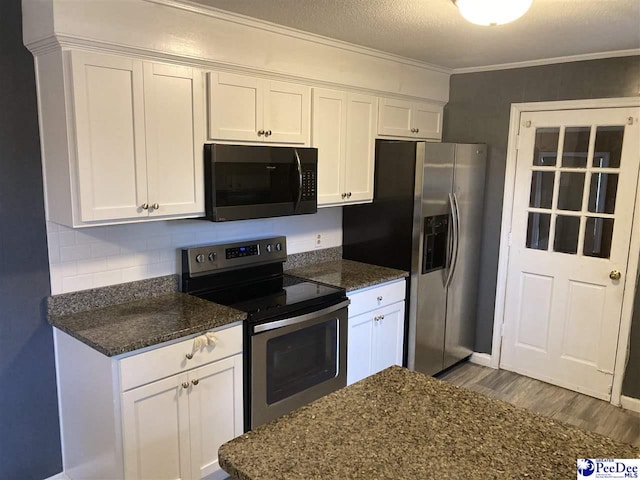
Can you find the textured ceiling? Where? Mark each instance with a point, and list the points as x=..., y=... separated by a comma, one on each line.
x=433, y=31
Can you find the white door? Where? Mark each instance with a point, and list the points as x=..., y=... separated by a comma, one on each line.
x=215, y=407
x=235, y=107
x=575, y=186
x=360, y=147
x=388, y=336
x=329, y=132
x=287, y=112
x=174, y=108
x=155, y=423
x=109, y=123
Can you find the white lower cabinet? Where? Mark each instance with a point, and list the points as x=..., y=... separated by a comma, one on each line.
x=376, y=330
x=160, y=414
x=173, y=428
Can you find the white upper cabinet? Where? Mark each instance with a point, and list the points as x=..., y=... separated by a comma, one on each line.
x=252, y=109
x=400, y=118
x=344, y=134
x=126, y=145
x=110, y=138
x=174, y=113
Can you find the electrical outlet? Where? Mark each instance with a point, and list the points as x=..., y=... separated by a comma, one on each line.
x=318, y=240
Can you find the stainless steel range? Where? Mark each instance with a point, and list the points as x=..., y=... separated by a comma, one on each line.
x=296, y=331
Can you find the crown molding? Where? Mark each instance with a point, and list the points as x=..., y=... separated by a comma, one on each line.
x=294, y=33
x=549, y=61
x=65, y=41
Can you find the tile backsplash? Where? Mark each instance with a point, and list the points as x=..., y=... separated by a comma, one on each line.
x=98, y=256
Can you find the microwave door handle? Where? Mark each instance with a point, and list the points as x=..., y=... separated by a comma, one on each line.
x=299, y=167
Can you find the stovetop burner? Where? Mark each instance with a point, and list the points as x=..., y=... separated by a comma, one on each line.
x=253, y=282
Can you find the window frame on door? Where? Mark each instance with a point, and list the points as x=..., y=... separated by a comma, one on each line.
x=517, y=109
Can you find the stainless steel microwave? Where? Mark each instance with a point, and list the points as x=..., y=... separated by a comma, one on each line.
x=243, y=182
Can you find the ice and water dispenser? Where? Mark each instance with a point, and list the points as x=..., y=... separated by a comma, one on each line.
x=436, y=230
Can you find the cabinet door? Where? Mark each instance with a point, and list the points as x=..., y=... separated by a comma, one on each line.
x=427, y=119
x=359, y=345
x=394, y=118
x=360, y=151
x=215, y=407
x=388, y=337
x=155, y=424
x=328, y=136
x=109, y=125
x=174, y=112
x=235, y=107
x=287, y=112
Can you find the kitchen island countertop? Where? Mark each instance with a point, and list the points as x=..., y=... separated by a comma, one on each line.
x=401, y=424
x=348, y=274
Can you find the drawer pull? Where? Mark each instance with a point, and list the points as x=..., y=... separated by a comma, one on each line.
x=380, y=298
x=189, y=356
x=195, y=381
x=185, y=385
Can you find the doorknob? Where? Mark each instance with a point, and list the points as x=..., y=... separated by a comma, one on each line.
x=615, y=275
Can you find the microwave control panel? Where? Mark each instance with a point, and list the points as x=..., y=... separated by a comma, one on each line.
x=308, y=185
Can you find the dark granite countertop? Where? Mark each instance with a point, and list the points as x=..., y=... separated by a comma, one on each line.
x=403, y=424
x=122, y=328
x=348, y=274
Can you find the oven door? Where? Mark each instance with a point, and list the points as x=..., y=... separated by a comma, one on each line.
x=243, y=181
x=297, y=360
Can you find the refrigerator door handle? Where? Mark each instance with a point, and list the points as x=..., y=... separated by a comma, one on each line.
x=456, y=237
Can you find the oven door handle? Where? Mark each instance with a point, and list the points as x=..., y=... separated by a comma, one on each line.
x=299, y=167
x=265, y=327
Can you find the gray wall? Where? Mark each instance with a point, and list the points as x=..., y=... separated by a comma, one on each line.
x=478, y=111
x=29, y=432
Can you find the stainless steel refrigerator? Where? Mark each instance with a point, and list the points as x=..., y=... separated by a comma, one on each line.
x=426, y=218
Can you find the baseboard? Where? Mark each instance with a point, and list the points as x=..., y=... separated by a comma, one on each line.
x=630, y=403
x=483, y=359
x=59, y=476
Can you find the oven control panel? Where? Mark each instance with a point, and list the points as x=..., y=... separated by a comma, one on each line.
x=205, y=259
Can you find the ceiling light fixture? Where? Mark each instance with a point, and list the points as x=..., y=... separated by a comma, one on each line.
x=492, y=12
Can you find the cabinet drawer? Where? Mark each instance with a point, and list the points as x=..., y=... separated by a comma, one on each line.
x=375, y=297
x=162, y=362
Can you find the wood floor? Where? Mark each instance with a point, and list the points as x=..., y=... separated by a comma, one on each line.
x=558, y=403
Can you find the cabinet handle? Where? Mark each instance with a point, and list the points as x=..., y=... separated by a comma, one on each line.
x=156, y=206
x=413, y=130
x=349, y=195
x=344, y=195
x=260, y=133
x=379, y=298
x=185, y=385
x=189, y=356
x=417, y=130
x=381, y=317
x=267, y=133
x=195, y=382
x=144, y=206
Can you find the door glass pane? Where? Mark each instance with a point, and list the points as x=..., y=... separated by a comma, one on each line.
x=538, y=230
x=608, y=148
x=576, y=146
x=566, y=237
x=597, y=237
x=541, y=189
x=545, y=149
x=602, y=194
x=571, y=189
